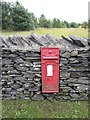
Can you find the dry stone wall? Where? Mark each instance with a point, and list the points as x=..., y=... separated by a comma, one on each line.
x=21, y=67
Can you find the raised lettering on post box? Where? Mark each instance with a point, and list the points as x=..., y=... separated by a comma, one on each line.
x=50, y=70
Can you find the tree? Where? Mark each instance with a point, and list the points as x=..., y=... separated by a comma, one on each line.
x=56, y=23
x=16, y=17
x=62, y=25
x=0, y=17
x=21, y=18
x=89, y=24
x=36, y=22
x=84, y=25
x=74, y=25
x=67, y=24
x=6, y=16
x=43, y=22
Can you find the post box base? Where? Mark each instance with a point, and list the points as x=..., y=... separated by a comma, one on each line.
x=50, y=91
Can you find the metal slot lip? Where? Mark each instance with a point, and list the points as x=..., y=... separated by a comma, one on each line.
x=50, y=57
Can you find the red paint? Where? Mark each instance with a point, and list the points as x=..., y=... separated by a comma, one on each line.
x=50, y=70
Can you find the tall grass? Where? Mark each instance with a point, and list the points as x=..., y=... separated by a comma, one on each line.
x=52, y=31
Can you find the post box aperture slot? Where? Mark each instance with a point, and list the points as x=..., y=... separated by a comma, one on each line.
x=48, y=58
x=49, y=70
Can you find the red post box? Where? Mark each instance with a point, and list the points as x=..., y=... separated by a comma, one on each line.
x=50, y=70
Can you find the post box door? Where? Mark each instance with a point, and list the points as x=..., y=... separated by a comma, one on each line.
x=49, y=83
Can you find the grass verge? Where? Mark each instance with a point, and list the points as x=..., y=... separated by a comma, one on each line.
x=44, y=109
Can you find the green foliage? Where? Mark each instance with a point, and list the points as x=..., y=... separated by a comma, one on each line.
x=43, y=22
x=67, y=24
x=16, y=18
x=84, y=25
x=22, y=20
x=63, y=24
x=59, y=24
x=89, y=24
x=6, y=16
x=56, y=23
x=74, y=25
